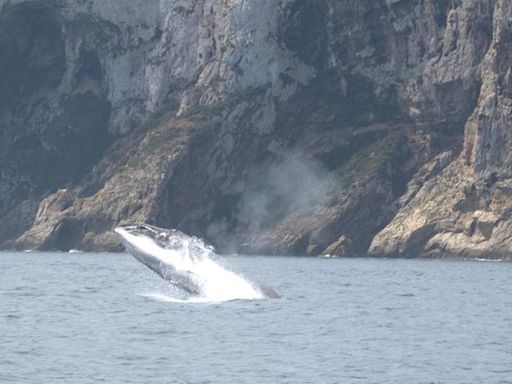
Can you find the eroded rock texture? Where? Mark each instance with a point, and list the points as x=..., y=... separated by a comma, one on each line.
x=273, y=126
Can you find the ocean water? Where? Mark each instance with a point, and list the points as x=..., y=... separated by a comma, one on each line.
x=105, y=318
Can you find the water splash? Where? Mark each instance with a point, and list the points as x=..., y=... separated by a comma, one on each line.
x=191, y=263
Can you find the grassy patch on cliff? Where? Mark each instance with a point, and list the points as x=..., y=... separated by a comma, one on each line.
x=165, y=134
x=161, y=137
x=205, y=112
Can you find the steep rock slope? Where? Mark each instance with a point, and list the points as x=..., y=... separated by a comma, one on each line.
x=290, y=127
x=465, y=210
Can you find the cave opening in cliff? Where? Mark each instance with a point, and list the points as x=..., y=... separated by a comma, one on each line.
x=80, y=134
x=32, y=52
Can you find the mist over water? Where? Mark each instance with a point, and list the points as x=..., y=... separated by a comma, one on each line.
x=290, y=185
x=287, y=185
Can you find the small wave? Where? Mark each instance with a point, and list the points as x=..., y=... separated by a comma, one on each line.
x=489, y=260
x=12, y=317
x=328, y=256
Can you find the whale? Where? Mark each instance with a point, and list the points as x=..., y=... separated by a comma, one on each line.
x=187, y=262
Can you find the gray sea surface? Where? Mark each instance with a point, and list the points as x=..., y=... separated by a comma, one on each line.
x=105, y=318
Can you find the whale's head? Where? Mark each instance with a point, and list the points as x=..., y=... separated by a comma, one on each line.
x=131, y=234
x=147, y=241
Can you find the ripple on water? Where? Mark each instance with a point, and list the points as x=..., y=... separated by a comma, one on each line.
x=339, y=321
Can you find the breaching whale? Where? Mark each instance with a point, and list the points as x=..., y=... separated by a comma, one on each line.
x=187, y=263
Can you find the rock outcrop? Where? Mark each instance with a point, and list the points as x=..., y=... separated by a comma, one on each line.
x=278, y=126
x=465, y=211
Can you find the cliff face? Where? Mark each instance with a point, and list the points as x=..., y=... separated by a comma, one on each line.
x=465, y=210
x=289, y=127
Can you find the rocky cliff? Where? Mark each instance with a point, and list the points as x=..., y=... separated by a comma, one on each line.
x=273, y=126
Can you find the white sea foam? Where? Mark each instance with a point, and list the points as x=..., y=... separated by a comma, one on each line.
x=163, y=298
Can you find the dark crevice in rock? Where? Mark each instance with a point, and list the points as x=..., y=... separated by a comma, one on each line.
x=303, y=30
x=323, y=106
x=77, y=138
x=31, y=52
x=65, y=235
